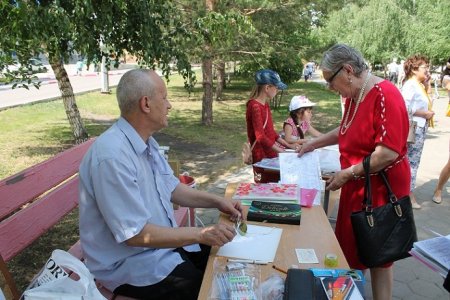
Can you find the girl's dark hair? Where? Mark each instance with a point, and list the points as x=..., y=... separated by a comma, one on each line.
x=293, y=115
x=446, y=71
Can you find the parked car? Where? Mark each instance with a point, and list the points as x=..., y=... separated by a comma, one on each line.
x=33, y=66
x=37, y=66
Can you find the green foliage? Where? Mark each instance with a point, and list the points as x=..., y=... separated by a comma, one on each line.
x=428, y=30
x=16, y=39
x=385, y=29
x=149, y=30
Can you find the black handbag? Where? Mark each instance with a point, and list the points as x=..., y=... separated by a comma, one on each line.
x=383, y=234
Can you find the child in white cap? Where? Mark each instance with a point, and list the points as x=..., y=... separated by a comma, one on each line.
x=299, y=122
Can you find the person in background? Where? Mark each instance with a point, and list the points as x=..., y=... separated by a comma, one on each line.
x=299, y=122
x=445, y=78
x=445, y=172
x=443, y=178
x=79, y=67
x=393, y=71
x=128, y=230
x=401, y=73
x=419, y=105
x=260, y=125
x=308, y=71
x=375, y=123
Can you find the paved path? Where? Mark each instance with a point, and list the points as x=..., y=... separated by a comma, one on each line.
x=412, y=280
x=49, y=90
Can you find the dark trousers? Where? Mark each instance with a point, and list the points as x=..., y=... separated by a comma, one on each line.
x=183, y=283
x=393, y=77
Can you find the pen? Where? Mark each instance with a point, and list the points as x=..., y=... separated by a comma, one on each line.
x=248, y=261
x=279, y=269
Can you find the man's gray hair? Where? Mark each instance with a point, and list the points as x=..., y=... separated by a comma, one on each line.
x=133, y=86
x=341, y=54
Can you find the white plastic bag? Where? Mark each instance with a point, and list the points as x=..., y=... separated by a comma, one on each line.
x=53, y=282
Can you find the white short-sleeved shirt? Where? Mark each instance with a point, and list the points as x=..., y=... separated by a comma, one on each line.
x=125, y=183
x=392, y=67
x=415, y=99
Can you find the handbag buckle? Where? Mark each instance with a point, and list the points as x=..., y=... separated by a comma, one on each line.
x=370, y=221
x=393, y=199
x=398, y=209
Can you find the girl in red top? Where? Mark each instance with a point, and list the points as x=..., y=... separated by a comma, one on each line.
x=260, y=125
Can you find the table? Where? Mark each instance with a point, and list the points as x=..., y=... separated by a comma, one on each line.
x=314, y=232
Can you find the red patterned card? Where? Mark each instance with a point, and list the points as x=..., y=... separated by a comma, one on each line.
x=267, y=192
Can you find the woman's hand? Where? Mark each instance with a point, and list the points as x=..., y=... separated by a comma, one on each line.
x=305, y=147
x=426, y=114
x=429, y=114
x=337, y=180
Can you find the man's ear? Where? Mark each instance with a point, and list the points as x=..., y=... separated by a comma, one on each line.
x=144, y=104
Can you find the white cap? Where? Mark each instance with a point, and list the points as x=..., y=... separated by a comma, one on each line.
x=299, y=102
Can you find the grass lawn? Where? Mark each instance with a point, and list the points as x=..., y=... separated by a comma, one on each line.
x=33, y=133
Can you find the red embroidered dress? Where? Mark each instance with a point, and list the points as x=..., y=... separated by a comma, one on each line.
x=255, y=116
x=381, y=119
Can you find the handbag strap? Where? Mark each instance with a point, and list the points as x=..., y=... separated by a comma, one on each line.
x=264, y=127
x=367, y=202
x=391, y=195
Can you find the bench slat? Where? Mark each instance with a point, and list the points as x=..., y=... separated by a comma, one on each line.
x=20, y=188
x=21, y=229
x=182, y=216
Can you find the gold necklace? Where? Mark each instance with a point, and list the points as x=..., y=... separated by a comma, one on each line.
x=346, y=124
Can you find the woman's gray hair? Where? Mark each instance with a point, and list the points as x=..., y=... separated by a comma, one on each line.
x=133, y=86
x=341, y=54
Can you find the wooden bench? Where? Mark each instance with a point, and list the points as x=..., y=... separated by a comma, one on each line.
x=34, y=200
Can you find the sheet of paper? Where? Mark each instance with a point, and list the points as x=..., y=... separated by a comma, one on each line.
x=269, y=163
x=304, y=171
x=260, y=243
x=329, y=159
x=306, y=256
x=437, y=248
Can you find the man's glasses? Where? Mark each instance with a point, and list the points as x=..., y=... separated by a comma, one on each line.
x=330, y=80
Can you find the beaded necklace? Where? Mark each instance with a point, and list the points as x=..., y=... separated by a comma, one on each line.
x=346, y=124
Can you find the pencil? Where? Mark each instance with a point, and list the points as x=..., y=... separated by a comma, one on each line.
x=279, y=269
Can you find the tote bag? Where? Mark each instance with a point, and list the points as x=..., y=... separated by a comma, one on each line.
x=386, y=233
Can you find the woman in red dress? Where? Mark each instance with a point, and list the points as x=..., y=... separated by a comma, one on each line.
x=260, y=125
x=375, y=122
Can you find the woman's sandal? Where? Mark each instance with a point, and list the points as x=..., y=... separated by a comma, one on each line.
x=416, y=205
x=437, y=199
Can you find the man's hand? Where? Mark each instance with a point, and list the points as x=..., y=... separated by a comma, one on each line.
x=232, y=208
x=217, y=235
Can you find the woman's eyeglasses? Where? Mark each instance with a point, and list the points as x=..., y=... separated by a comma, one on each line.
x=330, y=80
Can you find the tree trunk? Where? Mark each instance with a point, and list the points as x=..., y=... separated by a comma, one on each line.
x=207, y=114
x=68, y=97
x=220, y=79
